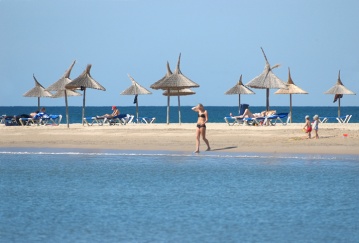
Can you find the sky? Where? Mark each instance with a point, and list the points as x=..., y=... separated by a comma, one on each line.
x=219, y=40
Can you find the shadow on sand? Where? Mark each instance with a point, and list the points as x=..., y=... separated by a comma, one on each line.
x=225, y=148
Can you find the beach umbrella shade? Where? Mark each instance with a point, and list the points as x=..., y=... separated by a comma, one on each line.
x=173, y=81
x=291, y=89
x=178, y=93
x=339, y=90
x=135, y=89
x=38, y=91
x=267, y=80
x=60, y=87
x=239, y=89
x=83, y=82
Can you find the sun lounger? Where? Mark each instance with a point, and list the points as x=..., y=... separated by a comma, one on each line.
x=146, y=120
x=10, y=121
x=340, y=119
x=2, y=121
x=231, y=120
x=42, y=120
x=122, y=119
x=93, y=119
x=273, y=119
x=268, y=120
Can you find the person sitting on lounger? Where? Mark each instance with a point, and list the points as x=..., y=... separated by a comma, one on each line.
x=33, y=114
x=115, y=112
x=248, y=114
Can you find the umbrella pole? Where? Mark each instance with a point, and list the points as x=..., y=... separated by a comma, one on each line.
x=267, y=102
x=83, y=107
x=339, y=107
x=291, y=113
x=179, y=110
x=67, y=110
x=168, y=107
x=239, y=104
x=137, y=109
x=38, y=103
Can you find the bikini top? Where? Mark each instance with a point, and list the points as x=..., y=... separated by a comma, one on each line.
x=202, y=115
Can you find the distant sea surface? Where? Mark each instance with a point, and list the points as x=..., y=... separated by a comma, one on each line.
x=216, y=113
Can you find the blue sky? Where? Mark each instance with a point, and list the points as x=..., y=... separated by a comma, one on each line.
x=219, y=40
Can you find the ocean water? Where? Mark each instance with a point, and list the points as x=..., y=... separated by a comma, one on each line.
x=133, y=196
x=216, y=113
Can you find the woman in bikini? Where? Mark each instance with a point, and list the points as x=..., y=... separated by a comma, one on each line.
x=201, y=126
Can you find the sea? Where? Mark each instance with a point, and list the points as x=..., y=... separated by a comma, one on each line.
x=85, y=195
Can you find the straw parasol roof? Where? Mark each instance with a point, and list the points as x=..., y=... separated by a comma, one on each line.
x=61, y=93
x=181, y=92
x=239, y=89
x=173, y=81
x=339, y=89
x=267, y=80
x=135, y=89
x=291, y=89
x=158, y=84
x=178, y=93
x=38, y=91
x=84, y=81
x=60, y=87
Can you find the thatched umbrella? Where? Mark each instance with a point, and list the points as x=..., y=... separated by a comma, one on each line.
x=135, y=89
x=178, y=93
x=173, y=81
x=339, y=90
x=267, y=80
x=291, y=89
x=239, y=89
x=38, y=91
x=84, y=81
x=60, y=87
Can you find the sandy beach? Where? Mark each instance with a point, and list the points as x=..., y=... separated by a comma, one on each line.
x=175, y=137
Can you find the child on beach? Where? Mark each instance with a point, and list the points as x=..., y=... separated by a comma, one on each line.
x=308, y=126
x=315, y=125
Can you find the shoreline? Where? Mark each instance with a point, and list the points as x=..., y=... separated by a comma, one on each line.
x=289, y=139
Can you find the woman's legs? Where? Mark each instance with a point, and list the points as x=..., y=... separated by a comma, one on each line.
x=198, y=133
x=203, y=131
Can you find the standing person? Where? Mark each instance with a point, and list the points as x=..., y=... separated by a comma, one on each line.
x=201, y=126
x=308, y=126
x=315, y=125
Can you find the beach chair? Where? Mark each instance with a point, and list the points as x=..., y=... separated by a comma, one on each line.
x=344, y=119
x=146, y=120
x=2, y=119
x=10, y=121
x=51, y=120
x=256, y=121
x=273, y=119
x=121, y=119
x=41, y=119
x=231, y=120
x=93, y=119
x=340, y=119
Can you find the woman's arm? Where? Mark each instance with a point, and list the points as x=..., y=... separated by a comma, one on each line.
x=206, y=115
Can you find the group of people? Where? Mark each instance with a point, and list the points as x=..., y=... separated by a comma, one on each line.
x=308, y=126
x=203, y=119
